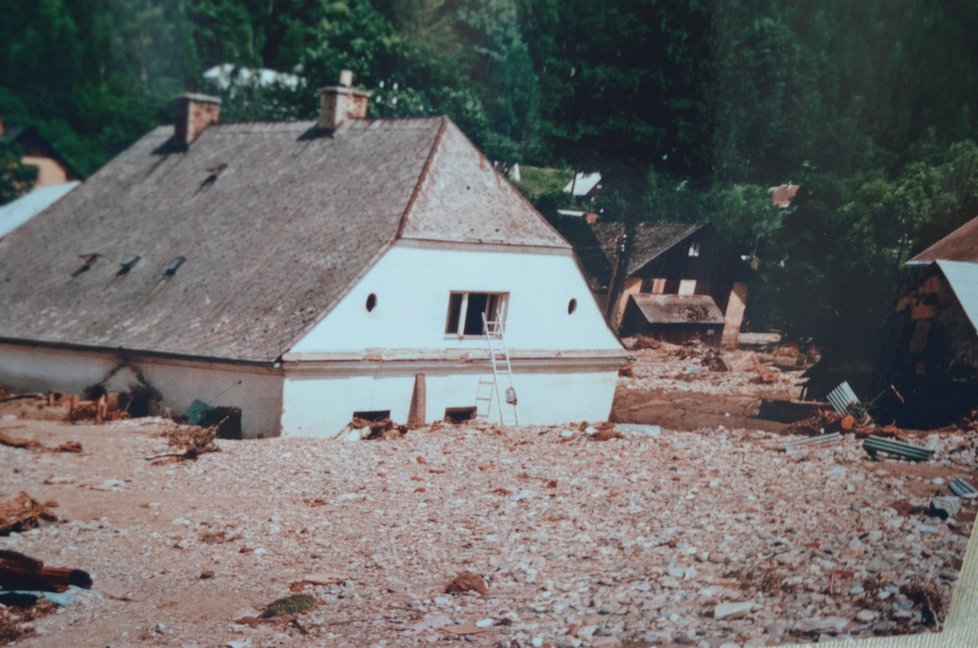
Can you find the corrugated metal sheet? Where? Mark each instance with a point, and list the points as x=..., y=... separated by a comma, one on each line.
x=963, y=279
x=16, y=213
x=678, y=309
x=842, y=397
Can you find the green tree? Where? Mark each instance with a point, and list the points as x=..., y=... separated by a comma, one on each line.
x=16, y=178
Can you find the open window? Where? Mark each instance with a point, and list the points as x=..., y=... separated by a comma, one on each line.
x=465, y=311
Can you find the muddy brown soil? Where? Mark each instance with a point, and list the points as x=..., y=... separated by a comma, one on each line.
x=688, y=411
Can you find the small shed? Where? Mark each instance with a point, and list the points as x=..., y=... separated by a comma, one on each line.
x=674, y=318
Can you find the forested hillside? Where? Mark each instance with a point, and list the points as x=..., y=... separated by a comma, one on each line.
x=691, y=109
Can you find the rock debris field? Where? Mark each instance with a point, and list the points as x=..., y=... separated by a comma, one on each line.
x=488, y=536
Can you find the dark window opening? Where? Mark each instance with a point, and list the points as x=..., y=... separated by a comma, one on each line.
x=465, y=311
x=372, y=415
x=139, y=401
x=473, y=315
x=454, y=312
x=371, y=302
x=127, y=264
x=176, y=263
x=459, y=414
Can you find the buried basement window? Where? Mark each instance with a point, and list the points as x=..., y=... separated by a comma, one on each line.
x=459, y=414
x=465, y=311
x=372, y=415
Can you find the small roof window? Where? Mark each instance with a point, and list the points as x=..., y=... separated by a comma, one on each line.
x=176, y=263
x=127, y=264
x=88, y=260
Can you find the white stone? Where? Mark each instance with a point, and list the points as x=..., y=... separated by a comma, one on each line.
x=732, y=610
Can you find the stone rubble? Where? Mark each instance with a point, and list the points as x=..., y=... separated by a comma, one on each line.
x=708, y=538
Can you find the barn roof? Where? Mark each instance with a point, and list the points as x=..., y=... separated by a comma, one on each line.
x=678, y=309
x=651, y=240
x=275, y=221
x=959, y=245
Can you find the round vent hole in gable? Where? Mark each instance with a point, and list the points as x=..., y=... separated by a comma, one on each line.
x=571, y=306
x=371, y=302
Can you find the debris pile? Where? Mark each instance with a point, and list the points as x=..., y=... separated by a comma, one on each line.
x=190, y=441
x=22, y=512
x=365, y=429
x=467, y=582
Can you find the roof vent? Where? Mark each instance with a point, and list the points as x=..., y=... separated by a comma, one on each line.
x=176, y=263
x=127, y=264
x=342, y=102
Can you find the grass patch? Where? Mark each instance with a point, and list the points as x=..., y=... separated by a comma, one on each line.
x=536, y=181
x=290, y=606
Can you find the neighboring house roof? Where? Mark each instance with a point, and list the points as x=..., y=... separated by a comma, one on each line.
x=963, y=279
x=16, y=213
x=782, y=195
x=582, y=183
x=959, y=245
x=678, y=309
x=276, y=221
x=650, y=240
x=28, y=137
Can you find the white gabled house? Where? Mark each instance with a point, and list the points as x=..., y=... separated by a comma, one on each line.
x=304, y=272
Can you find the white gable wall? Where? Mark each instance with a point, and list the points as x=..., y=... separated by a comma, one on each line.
x=413, y=280
x=565, y=364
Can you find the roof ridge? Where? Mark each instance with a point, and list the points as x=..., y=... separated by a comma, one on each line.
x=690, y=229
x=442, y=127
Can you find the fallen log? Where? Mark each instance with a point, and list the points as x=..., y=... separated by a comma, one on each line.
x=13, y=442
x=7, y=399
x=31, y=444
x=20, y=572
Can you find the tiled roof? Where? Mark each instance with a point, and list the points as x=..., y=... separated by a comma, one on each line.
x=651, y=240
x=678, y=309
x=276, y=222
x=959, y=245
x=782, y=195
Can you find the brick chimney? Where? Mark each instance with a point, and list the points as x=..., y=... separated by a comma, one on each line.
x=342, y=102
x=195, y=112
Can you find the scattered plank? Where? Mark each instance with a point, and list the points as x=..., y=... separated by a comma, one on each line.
x=13, y=442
